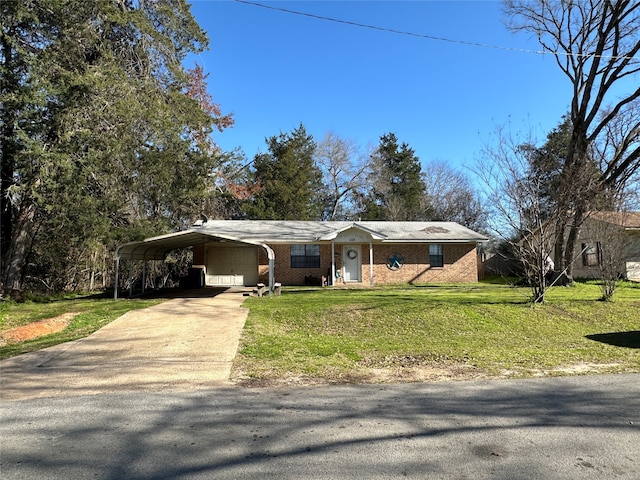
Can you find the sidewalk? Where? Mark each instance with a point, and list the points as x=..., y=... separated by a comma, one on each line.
x=183, y=343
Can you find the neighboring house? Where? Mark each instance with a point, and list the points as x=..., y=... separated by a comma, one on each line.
x=620, y=232
x=248, y=252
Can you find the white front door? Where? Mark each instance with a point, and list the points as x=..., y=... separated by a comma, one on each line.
x=352, y=263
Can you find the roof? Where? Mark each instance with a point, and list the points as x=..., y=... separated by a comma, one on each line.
x=156, y=248
x=264, y=232
x=285, y=231
x=630, y=220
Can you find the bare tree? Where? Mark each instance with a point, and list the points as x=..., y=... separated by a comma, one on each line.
x=516, y=199
x=606, y=247
x=596, y=45
x=612, y=257
x=451, y=196
x=344, y=168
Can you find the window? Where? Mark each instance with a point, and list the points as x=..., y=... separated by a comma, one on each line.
x=591, y=254
x=436, y=259
x=305, y=256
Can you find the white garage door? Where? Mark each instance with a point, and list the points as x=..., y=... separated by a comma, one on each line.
x=232, y=266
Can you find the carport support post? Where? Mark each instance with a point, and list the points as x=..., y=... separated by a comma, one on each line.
x=144, y=274
x=271, y=275
x=115, y=286
x=131, y=277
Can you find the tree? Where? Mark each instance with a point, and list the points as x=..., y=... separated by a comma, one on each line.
x=231, y=189
x=546, y=163
x=609, y=248
x=102, y=130
x=451, y=197
x=289, y=181
x=397, y=184
x=344, y=169
x=596, y=45
x=517, y=199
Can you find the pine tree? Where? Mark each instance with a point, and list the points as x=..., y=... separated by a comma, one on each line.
x=397, y=185
x=288, y=179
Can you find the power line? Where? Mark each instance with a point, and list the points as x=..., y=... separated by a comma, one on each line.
x=388, y=30
x=429, y=37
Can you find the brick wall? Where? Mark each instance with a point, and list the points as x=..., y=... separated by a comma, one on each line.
x=460, y=264
x=283, y=272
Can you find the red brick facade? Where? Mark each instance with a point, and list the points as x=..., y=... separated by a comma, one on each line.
x=460, y=264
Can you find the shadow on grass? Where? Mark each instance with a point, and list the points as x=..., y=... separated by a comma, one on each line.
x=618, y=339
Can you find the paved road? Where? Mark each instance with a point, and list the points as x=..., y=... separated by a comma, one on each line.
x=558, y=428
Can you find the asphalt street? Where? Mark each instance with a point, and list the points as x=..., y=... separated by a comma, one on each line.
x=585, y=427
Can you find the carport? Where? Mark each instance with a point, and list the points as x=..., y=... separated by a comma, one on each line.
x=157, y=248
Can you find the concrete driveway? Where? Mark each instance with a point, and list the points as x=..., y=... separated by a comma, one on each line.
x=187, y=342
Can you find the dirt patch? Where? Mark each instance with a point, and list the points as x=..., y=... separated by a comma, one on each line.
x=413, y=374
x=410, y=374
x=36, y=329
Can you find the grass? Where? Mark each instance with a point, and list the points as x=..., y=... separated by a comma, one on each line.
x=336, y=335
x=93, y=312
x=488, y=329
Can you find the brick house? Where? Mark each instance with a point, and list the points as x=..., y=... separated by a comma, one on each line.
x=609, y=237
x=248, y=252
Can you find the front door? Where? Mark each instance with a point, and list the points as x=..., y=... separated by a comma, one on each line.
x=352, y=263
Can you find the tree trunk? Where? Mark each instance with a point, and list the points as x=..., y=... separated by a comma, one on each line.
x=574, y=232
x=558, y=248
x=7, y=152
x=13, y=274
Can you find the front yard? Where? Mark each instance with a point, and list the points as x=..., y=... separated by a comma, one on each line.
x=41, y=322
x=415, y=333
x=314, y=335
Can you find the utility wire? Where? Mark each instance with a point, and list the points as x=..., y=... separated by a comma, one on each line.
x=429, y=37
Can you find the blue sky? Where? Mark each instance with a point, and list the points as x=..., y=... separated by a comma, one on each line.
x=275, y=70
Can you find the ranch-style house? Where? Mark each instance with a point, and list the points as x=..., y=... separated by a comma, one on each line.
x=249, y=252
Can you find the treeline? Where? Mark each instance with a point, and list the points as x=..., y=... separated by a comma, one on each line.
x=335, y=179
x=105, y=138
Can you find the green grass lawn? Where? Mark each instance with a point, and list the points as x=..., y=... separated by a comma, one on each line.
x=337, y=335
x=490, y=329
x=93, y=312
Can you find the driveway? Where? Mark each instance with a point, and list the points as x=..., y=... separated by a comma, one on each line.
x=184, y=343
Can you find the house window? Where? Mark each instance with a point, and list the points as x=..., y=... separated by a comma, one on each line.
x=591, y=254
x=436, y=259
x=305, y=256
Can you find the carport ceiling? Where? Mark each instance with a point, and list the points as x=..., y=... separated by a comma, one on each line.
x=157, y=248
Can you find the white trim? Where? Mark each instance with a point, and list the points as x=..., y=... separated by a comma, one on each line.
x=370, y=263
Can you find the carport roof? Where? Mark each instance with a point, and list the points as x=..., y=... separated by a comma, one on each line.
x=156, y=248
x=264, y=232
